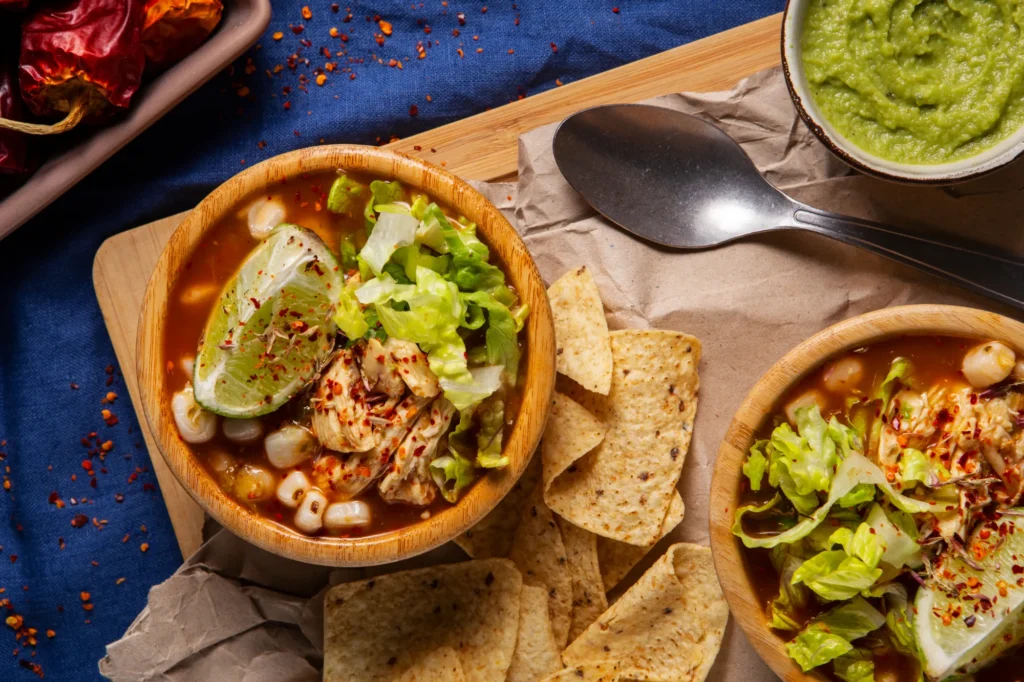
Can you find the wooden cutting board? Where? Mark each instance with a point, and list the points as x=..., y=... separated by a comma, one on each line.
x=482, y=147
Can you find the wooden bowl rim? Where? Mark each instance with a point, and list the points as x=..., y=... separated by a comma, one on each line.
x=911, y=320
x=537, y=375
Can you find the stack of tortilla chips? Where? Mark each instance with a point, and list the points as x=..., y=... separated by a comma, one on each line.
x=533, y=604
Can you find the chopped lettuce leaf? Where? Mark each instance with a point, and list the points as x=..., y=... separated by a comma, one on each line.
x=393, y=230
x=348, y=254
x=412, y=257
x=519, y=315
x=803, y=462
x=791, y=597
x=381, y=193
x=470, y=269
x=900, y=546
x=418, y=209
x=464, y=394
x=898, y=371
x=835, y=575
x=756, y=465
x=500, y=338
x=451, y=473
x=854, y=470
x=491, y=418
x=856, y=666
x=474, y=320
x=899, y=619
x=348, y=314
x=829, y=636
x=864, y=492
x=399, y=207
x=343, y=195
x=862, y=543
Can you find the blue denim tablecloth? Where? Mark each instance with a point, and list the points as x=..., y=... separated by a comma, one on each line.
x=56, y=361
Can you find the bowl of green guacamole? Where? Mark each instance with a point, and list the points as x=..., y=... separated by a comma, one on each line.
x=923, y=91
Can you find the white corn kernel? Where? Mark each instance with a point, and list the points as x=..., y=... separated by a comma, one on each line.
x=264, y=215
x=844, y=374
x=242, y=430
x=350, y=514
x=310, y=516
x=292, y=488
x=290, y=445
x=195, y=424
x=988, y=364
x=811, y=397
x=253, y=484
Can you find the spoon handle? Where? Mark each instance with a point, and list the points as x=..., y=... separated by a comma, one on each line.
x=972, y=265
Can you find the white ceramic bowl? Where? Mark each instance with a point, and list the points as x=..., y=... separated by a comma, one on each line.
x=984, y=162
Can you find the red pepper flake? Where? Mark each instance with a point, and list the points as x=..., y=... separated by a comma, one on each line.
x=107, y=446
x=615, y=9
x=74, y=386
x=120, y=581
x=118, y=497
x=461, y=16
x=88, y=606
x=277, y=35
x=385, y=27
x=460, y=53
x=51, y=634
x=127, y=536
x=144, y=546
x=321, y=79
x=61, y=543
x=297, y=28
x=335, y=8
x=79, y=520
x=111, y=396
x=307, y=13
x=84, y=596
x=554, y=48
x=414, y=110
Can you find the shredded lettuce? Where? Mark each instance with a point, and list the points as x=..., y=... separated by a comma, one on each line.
x=500, y=338
x=899, y=618
x=900, y=546
x=756, y=465
x=831, y=635
x=792, y=597
x=343, y=195
x=898, y=371
x=856, y=666
x=835, y=575
x=854, y=470
x=470, y=269
x=348, y=255
x=348, y=314
x=491, y=420
x=452, y=473
x=803, y=462
x=381, y=193
x=864, y=492
x=413, y=256
x=393, y=230
x=483, y=382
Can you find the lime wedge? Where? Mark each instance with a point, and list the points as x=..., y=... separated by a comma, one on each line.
x=965, y=617
x=271, y=330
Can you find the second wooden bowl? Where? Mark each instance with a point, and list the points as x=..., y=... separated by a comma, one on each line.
x=757, y=409
x=537, y=377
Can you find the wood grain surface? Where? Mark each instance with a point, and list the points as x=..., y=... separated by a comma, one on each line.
x=757, y=409
x=483, y=147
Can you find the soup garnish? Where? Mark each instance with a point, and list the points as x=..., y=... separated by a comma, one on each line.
x=352, y=372
x=884, y=497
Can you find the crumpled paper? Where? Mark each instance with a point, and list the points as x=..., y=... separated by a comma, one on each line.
x=237, y=613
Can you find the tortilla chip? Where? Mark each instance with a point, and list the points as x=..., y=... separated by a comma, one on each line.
x=617, y=559
x=492, y=535
x=380, y=629
x=606, y=671
x=623, y=488
x=588, y=596
x=667, y=627
x=570, y=433
x=581, y=331
x=537, y=655
x=539, y=553
x=441, y=665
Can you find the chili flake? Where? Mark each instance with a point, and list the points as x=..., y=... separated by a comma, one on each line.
x=144, y=547
x=79, y=520
x=307, y=13
x=385, y=27
x=277, y=35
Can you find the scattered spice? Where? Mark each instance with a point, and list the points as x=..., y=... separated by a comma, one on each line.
x=307, y=13
x=277, y=35
x=385, y=27
x=144, y=547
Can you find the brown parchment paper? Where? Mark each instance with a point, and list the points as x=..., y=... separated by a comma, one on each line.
x=236, y=613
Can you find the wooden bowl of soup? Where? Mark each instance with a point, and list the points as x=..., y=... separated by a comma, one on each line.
x=917, y=403
x=346, y=355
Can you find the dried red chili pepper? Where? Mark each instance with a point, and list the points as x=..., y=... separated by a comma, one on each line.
x=173, y=29
x=13, y=146
x=82, y=58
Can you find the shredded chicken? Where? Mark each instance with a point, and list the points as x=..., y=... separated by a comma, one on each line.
x=412, y=366
x=350, y=475
x=380, y=373
x=408, y=479
x=340, y=409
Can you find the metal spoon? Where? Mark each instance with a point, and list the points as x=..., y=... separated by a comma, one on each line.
x=679, y=181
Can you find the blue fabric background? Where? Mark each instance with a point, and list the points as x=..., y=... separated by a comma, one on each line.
x=52, y=330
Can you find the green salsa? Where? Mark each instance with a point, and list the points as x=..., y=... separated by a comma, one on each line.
x=917, y=81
